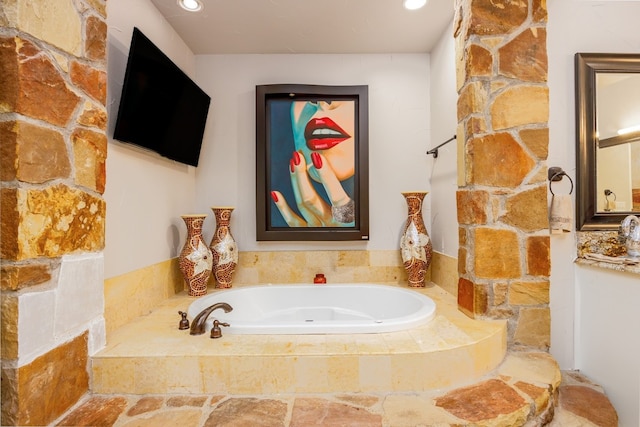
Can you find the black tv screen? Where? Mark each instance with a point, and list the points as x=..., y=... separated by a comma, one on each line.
x=161, y=108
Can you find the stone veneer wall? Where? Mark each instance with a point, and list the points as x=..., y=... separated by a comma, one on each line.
x=52, y=165
x=503, y=109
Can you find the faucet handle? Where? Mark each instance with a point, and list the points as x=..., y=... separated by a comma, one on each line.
x=184, y=322
x=216, y=332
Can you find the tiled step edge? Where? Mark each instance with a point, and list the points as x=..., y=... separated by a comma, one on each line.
x=583, y=403
x=298, y=373
x=521, y=392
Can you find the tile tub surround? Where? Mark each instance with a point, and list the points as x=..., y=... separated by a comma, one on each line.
x=352, y=266
x=444, y=272
x=150, y=355
x=138, y=292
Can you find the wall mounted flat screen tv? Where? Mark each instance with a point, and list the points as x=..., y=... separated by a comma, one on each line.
x=161, y=108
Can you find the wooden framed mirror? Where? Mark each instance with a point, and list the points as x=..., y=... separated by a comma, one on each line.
x=607, y=139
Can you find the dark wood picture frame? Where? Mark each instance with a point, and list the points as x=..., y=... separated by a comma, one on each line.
x=282, y=212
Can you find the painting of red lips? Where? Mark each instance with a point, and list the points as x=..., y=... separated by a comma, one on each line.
x=312, y=174
x=323, y=133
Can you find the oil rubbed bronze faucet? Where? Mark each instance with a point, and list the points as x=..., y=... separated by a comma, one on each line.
x=216, y=332
x=198, y=323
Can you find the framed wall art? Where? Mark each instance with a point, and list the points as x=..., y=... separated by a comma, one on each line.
x=312, y=157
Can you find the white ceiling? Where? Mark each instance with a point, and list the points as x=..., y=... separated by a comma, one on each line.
x=306, y=26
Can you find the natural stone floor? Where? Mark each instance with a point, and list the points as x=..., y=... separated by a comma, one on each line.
x=488, y=403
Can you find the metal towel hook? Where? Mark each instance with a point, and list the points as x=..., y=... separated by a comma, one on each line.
x=556, y=173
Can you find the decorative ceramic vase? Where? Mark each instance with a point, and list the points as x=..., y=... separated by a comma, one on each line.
x=196, y=259
x=415, y=244
x=224, y=248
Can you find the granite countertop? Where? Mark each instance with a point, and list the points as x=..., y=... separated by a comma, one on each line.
x=605, y=250
x=611, y=264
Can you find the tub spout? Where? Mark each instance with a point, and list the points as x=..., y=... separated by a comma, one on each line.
x=198, y=323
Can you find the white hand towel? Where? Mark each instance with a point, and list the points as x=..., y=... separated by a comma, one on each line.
x=560, y=213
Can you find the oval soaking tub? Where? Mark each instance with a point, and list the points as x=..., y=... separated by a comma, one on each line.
x=317, y=309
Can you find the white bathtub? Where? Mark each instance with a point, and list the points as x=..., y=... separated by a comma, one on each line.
x=317, y=309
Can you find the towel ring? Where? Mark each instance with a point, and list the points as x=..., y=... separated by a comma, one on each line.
x=607, y=193
x=556, y=174
x=608, y=205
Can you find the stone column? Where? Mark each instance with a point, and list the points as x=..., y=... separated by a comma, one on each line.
x=503, y=109
x=52, y=168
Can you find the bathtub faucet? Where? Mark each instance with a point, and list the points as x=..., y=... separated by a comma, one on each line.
x=198, y=323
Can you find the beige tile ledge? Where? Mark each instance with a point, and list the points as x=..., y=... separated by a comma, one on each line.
x=633, y=269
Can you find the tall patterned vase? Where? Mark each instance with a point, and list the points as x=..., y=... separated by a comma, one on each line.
x=195, y=259
x=415, y=244
x=224, y=248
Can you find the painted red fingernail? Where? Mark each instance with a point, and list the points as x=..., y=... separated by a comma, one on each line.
x=316, y=159
x=296, y=158
x=274, y=196
x=291, y=165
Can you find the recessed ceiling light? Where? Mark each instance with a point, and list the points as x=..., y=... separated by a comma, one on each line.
x=413, y=4
x=190, y=5
x=630, y=129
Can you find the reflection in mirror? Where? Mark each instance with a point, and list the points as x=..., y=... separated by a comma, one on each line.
x=608, y=139
x=618, y=133
x=618, y=178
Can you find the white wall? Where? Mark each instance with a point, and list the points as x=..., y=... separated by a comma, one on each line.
x=443, y=169
x=608, y=338
x=585, y=26
x=398, y=136
x=145, y=193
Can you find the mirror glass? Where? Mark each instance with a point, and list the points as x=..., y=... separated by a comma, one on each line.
x=618, y=133
x=608, y=139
